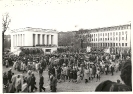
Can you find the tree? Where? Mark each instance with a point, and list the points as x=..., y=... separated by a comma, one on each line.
x=5, y=24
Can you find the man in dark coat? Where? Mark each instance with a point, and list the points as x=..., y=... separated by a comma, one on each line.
x=33, y=82
x=53, y=83
x=41, y=82
x=9, y=75
x=112, y=70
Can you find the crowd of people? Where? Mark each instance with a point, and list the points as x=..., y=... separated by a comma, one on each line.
x=61, y=67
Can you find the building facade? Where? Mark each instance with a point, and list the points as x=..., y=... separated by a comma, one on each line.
x=115, y=37
x=34, y=37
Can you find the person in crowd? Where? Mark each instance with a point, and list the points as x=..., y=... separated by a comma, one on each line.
x=7, y=64
x=53, y=83
x=74, y=75
x=29, y=79
x=86, y=74
x=41, y=83
x=112, y=70
x=98, y=74
x=5, y=79
x=40, y=71
x=25, y=86
x=9, y=74
x=33, y=82
x=78, y=76
x=18, y=84
x=58, y=73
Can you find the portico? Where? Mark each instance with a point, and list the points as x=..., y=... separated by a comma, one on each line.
x=32, y=37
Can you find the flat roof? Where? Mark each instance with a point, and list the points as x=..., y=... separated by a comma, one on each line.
x=30, y=29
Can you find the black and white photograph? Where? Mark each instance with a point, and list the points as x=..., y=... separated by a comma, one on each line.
x=66, y=46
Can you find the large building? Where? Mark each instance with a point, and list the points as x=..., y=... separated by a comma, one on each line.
x=116, y=37
x=46, y=39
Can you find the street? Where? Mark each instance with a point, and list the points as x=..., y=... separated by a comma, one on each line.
x=70, y=86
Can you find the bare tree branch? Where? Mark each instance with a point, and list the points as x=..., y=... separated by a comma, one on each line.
x=6, y=21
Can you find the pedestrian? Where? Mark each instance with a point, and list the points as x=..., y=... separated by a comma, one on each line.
x=78, y=76
x=18, y=84
x=86, y=74
x=9, y=74
x=112, y=70
x=33, y=82
x=98, y=74
x=5, y=79
x=53, y=83
x=41, y=82
x=25, y=86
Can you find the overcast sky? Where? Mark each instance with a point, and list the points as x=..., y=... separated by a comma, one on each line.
x=64, y=15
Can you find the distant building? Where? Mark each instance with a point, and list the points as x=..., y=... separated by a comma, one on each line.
x=115, y=37
x=46, y=39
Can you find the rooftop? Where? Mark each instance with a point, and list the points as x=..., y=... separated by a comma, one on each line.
x=30, y=29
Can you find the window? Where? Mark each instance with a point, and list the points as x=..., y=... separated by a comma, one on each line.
x=116, y=33
x=125, y=44
x=105, y=34
x=122, y=38
x=119, y=44
x=122, y=44
x=96, y=39
x=110, y=33
x=122, y=33
x=116, y=44
x=110, y=38
x=103, y=39
x=119, y=33
x=116, y=38
x=110, y=44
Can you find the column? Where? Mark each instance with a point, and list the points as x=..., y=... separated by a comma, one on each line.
x=50, y=39
x=41, y=42
x=22, y=39
x=45, y=39
x=16, y=39
x=36, y=39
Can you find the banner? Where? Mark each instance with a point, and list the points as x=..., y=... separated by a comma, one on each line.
x=88, y=49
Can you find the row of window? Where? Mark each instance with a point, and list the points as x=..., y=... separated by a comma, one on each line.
x=107, y=34
x=108, y=44
x=105, y=39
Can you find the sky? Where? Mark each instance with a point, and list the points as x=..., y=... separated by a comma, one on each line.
x=66, y=15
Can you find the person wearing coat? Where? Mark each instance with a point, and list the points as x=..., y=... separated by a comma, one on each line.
x=86, y=75
x=53, y=83
x=18, y=84
x=7, y=63
x=33, y=82
x=5, y=79
x=9, y=74
x=25, y=86
x=41, y=82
